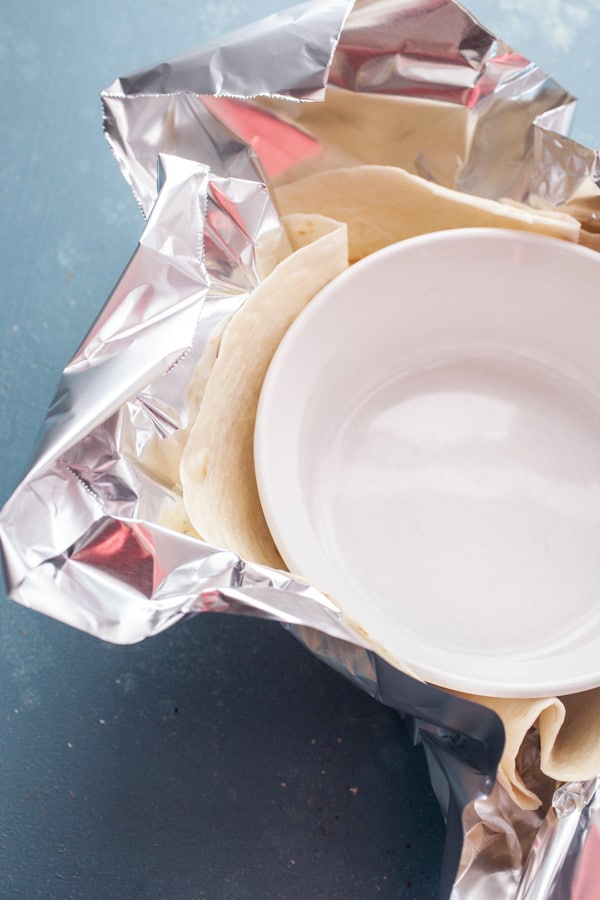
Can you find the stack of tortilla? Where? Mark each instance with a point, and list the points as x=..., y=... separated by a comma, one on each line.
x=329, y=220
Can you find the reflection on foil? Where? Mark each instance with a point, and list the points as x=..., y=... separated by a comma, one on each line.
x=566, y=176
x=277, y=144
x=557, y=856
x=95, y=535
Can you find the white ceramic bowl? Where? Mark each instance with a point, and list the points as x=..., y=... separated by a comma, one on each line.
x=428, y=454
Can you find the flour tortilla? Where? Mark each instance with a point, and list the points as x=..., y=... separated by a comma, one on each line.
x=569, y=740
x=162, y=456
x=586, y=212
x=380, y=206
x=217, y=466
x=383, y=204
x=355, y=128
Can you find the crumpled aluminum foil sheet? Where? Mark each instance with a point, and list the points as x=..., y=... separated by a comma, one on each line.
x=109, y=565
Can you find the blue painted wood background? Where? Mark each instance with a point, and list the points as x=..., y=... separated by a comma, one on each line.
x=220, y=760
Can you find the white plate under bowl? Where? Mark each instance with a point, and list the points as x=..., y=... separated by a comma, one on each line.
x=428, y=454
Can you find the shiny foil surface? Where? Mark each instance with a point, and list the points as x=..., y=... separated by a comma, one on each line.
x=87, y=537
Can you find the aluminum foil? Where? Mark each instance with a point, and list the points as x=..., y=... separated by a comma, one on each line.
x=217, y=126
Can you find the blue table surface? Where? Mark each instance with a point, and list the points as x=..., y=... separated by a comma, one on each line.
x=220, y=759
